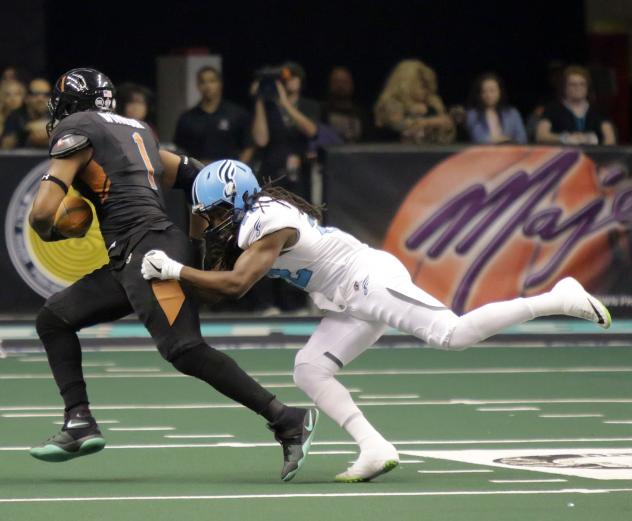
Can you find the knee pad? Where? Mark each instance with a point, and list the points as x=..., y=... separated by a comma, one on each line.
x=308, y=375
x=48, y=323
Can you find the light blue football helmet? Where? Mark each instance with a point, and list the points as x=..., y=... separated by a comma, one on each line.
x=226, y=184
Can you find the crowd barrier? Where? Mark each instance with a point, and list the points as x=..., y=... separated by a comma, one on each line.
x=471, y=224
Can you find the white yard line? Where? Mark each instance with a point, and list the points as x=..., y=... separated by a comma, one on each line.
x=464, y=471
x=196, y=436
x=328, y=452
x=388, y=396
x=618, y=422
x=528, y=480
x=590, y=415
x=234, y=444
x=134, y=429
x=506, y=409
x=319, y=495
x=133, y=369
x=384, y=372
x=455, y=401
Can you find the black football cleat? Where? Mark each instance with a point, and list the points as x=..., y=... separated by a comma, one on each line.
x=79, y=436
x=296, y=442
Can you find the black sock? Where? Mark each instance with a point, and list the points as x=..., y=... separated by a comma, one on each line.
x=284, y=419
x=64, y=357
x=223, y=373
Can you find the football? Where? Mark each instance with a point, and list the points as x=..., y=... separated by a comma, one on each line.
x=73, y=217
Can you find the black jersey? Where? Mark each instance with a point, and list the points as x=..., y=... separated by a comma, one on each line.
x=122, y=179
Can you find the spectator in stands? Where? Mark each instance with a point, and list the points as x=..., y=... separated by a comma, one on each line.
x=490, y=119
x=12, y=95
x=283, y=126
x=409, y=107
x=345, y=116
x=573, y=120
x=136, y=102
x=555, y=80
x=26, y=126
x=215, y=128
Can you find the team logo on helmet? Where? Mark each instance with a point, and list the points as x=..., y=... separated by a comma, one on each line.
x=226, y=175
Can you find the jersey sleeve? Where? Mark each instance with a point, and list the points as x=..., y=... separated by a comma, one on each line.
x=71, y=134
x=265, y=219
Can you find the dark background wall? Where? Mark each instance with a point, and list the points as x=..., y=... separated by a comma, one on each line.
x=458, y=38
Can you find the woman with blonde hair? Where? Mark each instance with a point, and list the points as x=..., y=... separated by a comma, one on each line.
x=410, y=106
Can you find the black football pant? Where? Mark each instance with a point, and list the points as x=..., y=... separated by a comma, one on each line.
x=166, y=309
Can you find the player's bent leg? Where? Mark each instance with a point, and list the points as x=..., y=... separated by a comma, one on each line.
x=95, y=298
x=314, y=373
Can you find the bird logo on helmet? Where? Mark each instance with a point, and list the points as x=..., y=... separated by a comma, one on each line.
x=78, y=90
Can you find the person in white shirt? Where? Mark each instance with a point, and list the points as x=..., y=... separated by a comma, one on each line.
x=270, y=231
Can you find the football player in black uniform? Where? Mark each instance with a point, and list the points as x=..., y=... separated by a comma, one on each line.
x=115, y=162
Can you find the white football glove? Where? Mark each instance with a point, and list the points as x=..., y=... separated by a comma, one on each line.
x=158, y=265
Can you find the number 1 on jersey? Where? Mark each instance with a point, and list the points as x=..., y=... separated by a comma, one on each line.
x=145, y=156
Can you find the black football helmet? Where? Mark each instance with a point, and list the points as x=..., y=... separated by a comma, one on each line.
x=78, y=90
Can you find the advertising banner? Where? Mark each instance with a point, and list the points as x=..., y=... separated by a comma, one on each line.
x=30, y=268
x=484, y=224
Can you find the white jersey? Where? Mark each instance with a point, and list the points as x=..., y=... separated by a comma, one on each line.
x=322, y=260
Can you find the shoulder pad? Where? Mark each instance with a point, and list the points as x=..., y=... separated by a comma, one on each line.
x=68, y=144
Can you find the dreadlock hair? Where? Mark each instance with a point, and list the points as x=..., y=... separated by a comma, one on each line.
x=222, y=252
x=281, y=194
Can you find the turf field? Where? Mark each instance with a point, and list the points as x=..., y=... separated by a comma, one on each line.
x=490, y=433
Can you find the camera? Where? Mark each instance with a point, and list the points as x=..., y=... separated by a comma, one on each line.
x=267, y=77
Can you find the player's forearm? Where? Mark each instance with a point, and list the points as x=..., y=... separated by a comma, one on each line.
x=260, y=132
x=224, y=282
x=303, y=123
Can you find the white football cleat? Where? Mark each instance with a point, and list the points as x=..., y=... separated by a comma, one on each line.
x=577, y=302
x=370, y=464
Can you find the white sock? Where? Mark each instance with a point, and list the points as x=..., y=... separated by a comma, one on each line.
x=483, y=322
x=331, y=397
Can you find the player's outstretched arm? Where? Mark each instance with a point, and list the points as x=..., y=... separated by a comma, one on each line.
x=251, y=266
x=53, y=189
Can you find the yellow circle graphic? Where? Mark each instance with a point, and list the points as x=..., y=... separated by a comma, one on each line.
x=67, y=261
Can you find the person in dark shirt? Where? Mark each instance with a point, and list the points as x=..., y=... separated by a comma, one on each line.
x=115, y=162
x=214, y=128
x=283, y=127
x=573, y=120
x=349, y=120
x=26, y=126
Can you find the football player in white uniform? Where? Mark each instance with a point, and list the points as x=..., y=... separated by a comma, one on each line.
x=362, y=291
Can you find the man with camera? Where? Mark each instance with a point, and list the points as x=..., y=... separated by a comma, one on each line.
x=284, y=122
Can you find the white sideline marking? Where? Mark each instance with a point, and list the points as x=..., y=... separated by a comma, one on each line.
x=619, y=422
x=408, y=461
x=468, y=471
x=133, y=370
x=327, y=452
x=571, y=415
x=195, y=436
x=384, y=372
x=528, y=480
x=134, y=429
x=101, y=422
x=505, y=409
x=455, y=401
x=387, y=396
x=324, y=494
x=231, y=444
x=36, y=359
x=34, y=415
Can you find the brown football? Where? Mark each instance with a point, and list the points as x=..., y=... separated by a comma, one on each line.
x=73, y=217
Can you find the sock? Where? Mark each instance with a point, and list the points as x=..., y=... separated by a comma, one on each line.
x=362, y=431
x=483, y=322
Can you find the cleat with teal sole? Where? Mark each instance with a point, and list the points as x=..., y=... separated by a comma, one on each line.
x=63, y=447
